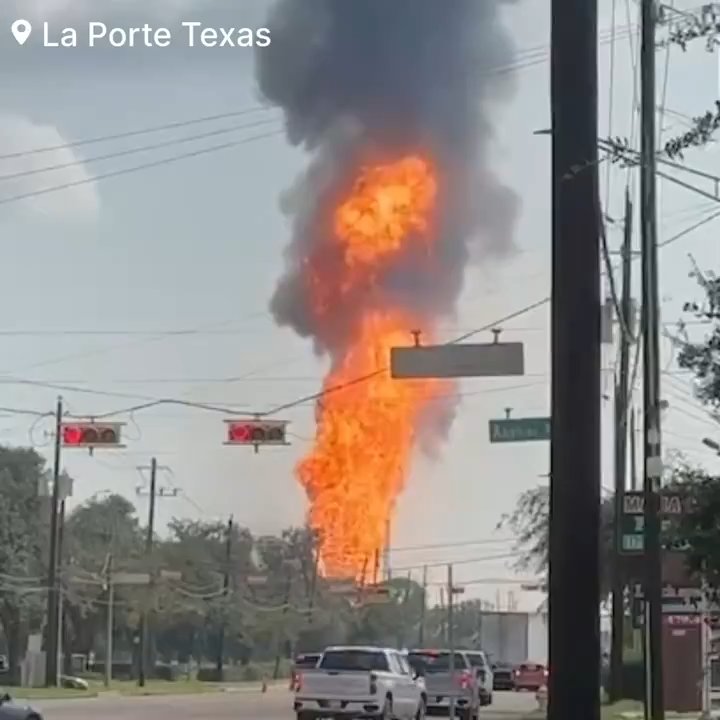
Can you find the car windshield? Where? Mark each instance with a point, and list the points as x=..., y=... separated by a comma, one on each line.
x=477, y=660
x=364, y=660
x=438, y=662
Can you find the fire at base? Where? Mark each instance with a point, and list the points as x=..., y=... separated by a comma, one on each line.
x=367, y=422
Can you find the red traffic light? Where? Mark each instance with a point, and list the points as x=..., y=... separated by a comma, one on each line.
x=89, y=434
x=255, y=432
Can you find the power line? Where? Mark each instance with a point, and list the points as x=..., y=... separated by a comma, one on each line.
x=136, y=168
x=133, y=133
x=135, y=150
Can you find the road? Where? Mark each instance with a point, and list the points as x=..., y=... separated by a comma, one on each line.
x=275, y=705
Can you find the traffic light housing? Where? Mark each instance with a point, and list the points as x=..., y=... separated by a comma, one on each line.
x=256, y=432
x=91, y=434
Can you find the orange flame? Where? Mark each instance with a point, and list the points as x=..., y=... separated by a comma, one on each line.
x=365, y=429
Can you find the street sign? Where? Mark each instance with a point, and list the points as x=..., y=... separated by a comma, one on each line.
x=519, y=429
x=676, y=602
x=457, y=361
x=632, y=524
x=128, y=578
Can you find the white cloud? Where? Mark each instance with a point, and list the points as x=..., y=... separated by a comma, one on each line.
x=19, y=174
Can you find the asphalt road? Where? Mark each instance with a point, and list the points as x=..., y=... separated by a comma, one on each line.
x=275, y=705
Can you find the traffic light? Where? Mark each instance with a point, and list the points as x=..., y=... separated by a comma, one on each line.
x=256, y=432
x=91, y=434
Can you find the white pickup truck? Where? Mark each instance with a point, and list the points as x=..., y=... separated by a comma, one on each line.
x=360, y=682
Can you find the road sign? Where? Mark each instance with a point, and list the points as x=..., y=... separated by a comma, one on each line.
x=458, y=361
x=519, y=429
x=675, y=602
x=632, y=524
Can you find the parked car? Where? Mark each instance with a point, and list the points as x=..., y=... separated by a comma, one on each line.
x=462, y=685
x=303, y=662
x=10, y=710
x=359, y=681
x=530, y=676
x=503, y=676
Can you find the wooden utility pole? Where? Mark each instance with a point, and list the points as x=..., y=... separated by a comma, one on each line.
x=226, y=591
x=623, y=403
x=574, y=547
x=652, y=477
x=109, y=622
x=451, y=635
x=423, y=608
x=144, y=621
x=51, y=643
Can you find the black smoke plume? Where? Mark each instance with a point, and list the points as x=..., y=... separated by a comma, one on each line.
x=366, y=78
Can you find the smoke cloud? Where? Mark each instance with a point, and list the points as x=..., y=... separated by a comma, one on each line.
x=361, y=79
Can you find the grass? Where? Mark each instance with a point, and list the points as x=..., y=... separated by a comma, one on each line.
x=126, y=688
x=616, y=712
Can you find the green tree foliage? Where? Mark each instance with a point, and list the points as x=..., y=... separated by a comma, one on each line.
x=530, y=524
x=21, y=547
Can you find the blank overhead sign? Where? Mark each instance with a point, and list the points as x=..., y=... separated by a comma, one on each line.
x=458, y=361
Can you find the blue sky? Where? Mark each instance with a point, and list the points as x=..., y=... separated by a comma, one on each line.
x=197, y=245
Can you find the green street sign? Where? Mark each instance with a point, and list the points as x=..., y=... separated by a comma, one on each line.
x=519, y=430
x=632, y=523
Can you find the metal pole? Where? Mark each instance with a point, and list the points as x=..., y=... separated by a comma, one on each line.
x=622, y=405
x=633, y=453
x=387, y=572
x=574, y=552
x=705, y=649
x=144, y=632
x=423, y=608
x=110, y=624
x=220, y=664
x=451, y=639
x=651, y=354
x=51, y=650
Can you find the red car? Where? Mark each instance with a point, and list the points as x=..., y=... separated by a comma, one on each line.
x=530, y=676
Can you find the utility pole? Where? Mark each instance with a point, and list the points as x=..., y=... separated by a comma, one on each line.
x=226, y=591
x=574, y=551
x=286, y=604
x=633, y=453
x=387, y=572
x=622, y=406
x=423, y=608
x=652, y=476
x=451, y=636
x=144, y=621
x=110, y=622
x=51, y=648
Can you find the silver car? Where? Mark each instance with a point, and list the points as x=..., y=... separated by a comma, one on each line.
x=10, y=710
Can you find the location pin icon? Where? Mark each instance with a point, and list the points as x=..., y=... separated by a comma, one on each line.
x=21, y=30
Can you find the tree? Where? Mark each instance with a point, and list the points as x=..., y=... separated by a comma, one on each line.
x=530, y=524
x=21, y=549
x=94, y=532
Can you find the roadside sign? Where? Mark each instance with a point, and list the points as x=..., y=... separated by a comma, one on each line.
x=519, y=429
x=458, y=361
x=676, y=602
x=632, y=524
